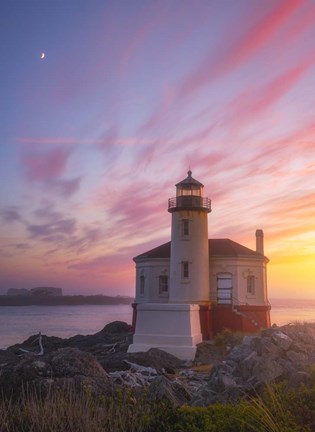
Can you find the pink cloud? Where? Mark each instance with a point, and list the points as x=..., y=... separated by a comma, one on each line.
x=257, y=100
x=216, y=66
x=259, y=35
x=59, y=228
x=47, y=140
x=11, y=214
x=64, y=188
x=241, y=50
x=45, y=165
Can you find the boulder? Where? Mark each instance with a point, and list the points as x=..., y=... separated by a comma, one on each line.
x=208, y=353
x=99, y=363
x=66, y=367
x=114, y=337
x=282, y=340
x=173, y=391
x=6, y=356
x=50, y=343
x=297, y=358
x=155, y=358
x=271, y=348
x=116, y=327
x=267, y=369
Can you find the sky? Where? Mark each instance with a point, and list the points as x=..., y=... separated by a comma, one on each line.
x=130, y=94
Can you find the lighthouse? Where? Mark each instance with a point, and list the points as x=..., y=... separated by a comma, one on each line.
x=192, y=287
x=189, y=264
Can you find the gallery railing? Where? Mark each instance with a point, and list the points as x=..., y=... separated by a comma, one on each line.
x=189, y=202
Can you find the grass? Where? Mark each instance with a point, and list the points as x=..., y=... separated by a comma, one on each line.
x=278, y=410
x=67, y=410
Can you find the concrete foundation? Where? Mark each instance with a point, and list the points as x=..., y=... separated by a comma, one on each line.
x=174, y=328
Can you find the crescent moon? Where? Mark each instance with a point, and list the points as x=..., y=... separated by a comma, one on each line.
x=42, y=55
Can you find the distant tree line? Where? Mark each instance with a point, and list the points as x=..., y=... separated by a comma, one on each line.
x=13, y=300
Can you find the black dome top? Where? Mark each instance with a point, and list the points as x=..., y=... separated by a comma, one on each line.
x=188, y=181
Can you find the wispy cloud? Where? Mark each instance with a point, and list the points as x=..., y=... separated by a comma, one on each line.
x=11, y=214
x=241, y=49
x=255, y=101
x=59, y=228
x=64, y=188
x=45, y=165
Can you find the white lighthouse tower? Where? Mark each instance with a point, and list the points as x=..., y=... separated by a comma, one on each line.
x=173, y=324
x=189, y=263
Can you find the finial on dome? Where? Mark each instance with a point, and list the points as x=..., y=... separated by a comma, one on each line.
x=189, y=173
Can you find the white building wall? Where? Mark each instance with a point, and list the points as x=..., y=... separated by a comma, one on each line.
x=240, y=269
x=151, y=269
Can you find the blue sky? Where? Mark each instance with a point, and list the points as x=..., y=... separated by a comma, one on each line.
x=131, y=94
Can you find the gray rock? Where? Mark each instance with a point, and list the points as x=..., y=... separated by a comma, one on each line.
x=248, y=340
x=6, y=356
x=282, y=340
x=64, y=367
x=267, y=370
x=155, y=358
x=239, y=352
x=116, y=327
x=270, y=347
x=247, y=365
x=296, y=379
x=278, y=353
x=297, y=358
x=173, y=391
x=208, y=353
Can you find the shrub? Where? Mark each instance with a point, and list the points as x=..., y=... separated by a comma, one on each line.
x=228, y=338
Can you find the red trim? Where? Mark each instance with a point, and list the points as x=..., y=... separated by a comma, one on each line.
x=215, y=318
x=247, y=319
x=205, y=315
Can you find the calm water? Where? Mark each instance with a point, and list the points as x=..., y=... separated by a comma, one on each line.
x=18, y=323
x=292, y=310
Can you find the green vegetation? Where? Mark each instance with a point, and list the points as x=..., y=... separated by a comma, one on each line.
x=278, y=410
x=228, y=338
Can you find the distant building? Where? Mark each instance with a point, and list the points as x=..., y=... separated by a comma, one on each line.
x=18, y=292
x=191, y=288
x=46, y=292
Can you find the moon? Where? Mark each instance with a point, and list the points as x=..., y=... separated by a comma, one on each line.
x=42, y=56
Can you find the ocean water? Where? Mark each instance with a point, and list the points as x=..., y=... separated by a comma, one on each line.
x=285, y=311
x=17, y=323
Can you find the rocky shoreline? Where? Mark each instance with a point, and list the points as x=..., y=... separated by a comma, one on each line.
x=100, y=363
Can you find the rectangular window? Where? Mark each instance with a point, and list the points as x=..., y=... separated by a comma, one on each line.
x=163, y=285
x=250, y=284
x=185, y=269
x=141, y=285
x=185, y=227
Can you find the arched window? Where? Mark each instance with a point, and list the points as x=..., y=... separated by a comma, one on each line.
x=251, y=284
x=224, y=288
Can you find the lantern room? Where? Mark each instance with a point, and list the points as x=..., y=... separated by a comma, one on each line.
x=189, y=196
